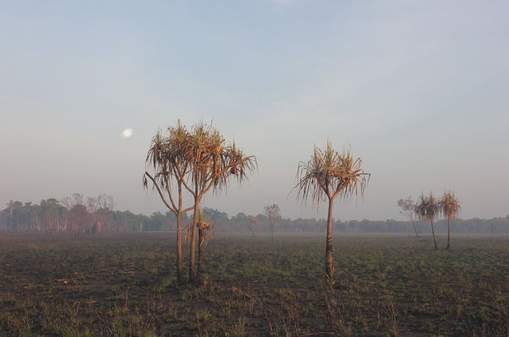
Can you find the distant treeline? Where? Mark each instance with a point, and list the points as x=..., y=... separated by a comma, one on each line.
x=91, y=215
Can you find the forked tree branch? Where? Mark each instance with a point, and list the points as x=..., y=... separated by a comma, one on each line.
x=168, y=190
x=189, y=189
x=173, y=209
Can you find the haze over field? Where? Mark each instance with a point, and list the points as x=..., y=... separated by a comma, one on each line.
x=418, y=90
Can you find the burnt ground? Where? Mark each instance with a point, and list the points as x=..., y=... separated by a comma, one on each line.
x=125, y=285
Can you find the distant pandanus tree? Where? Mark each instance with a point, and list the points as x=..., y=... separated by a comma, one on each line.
x=408, y=208
x=450, y=208
x=273, y=213
x=167, y=168
x=213, y=163
x=428, y=209
x=326, y=176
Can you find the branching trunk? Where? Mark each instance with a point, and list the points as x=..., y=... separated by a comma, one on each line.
x=180, y=253
x=329, y=249
x=180, y=221
x=201, y=247
x=192, y=245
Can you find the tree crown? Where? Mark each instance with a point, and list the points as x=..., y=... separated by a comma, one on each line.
x=449, y=205
x=428, y=207
x=329, y=174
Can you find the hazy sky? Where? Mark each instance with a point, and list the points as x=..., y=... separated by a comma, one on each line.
x=418, y=89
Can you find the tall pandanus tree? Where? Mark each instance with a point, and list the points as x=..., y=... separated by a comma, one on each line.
x=213, y=163
x=450, y=207
x=428, y=209
x=327, y=175
x=167, y=168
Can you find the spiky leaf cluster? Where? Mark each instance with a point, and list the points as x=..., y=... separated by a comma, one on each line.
x=449, y=205
x=329, y=173
x=198, y=159
x=213, y=161
x=428, y=207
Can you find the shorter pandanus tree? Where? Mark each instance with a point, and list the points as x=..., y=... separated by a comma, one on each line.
x=326, y=176
x=428, y=209
x=450, y=207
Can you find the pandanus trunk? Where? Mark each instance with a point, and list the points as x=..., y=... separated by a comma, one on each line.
x=180, y=249
x=329, y=249
x=448, y=233
x=433, y=233
x=180, y=253
x=201, y=247
x=192, y=245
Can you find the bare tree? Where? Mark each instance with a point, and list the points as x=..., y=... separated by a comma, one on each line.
x=428, y=209
x=273, y=214
x=98, y=207
x=327, y=175
x=104, y=202
x=450, y=208
x=73, y=200
x=408, y=208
